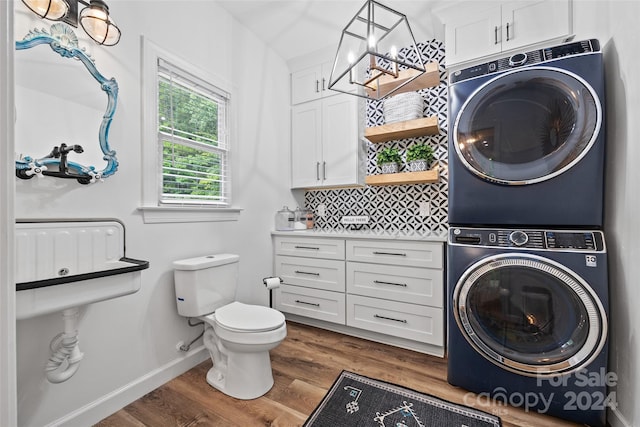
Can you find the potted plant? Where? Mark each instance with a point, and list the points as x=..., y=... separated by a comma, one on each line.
x=419, y=156
x=389, y=160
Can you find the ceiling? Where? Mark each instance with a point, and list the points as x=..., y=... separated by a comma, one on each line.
x=297, y=27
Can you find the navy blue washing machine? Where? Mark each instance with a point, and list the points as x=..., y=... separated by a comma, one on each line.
x=527, y=139
x=528, y=319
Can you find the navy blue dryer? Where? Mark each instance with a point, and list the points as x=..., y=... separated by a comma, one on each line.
x=527, y=140
x=527, y=322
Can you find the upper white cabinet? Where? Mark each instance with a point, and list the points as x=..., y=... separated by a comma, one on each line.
x=475, y=30
x=326, y=148
x=311, y=83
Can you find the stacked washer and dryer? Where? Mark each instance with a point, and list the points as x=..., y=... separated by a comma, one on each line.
x=527, y=262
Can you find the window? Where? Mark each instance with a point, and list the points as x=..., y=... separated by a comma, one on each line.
x=186, y=168
x=191, y=138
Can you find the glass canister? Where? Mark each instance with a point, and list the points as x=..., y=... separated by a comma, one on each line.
x=300, y=219
x=284, y=219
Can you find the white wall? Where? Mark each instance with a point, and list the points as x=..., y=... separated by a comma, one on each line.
x=8, y=403
x=127, y=339
x=614, y=22
x=131, y=340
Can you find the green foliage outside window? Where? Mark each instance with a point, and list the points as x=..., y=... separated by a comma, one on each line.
x=191, y=169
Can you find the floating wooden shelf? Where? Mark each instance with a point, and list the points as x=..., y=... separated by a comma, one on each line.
x=404, y=178
x=430, y=78
x=401, y=130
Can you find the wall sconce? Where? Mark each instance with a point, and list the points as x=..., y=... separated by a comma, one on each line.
x=374, y=45
x=94, y=18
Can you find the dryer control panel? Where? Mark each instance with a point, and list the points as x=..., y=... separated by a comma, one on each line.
x=577, y=240
x=526, y=58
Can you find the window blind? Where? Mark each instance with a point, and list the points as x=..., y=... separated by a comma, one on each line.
x=192, y=138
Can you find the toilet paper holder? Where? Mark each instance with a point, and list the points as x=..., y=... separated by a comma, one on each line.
x=271, y=283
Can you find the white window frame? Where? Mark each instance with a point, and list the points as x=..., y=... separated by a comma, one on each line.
x=153, y=210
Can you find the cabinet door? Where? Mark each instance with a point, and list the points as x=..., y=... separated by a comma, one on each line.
x=340, y=144
x=325, y=75
x=422, y=286
x=399, y=319
x=529, y=22
x=306, y=142
x=306, y=85
x=310, y=247
x=313, y=303
x=324, y=274
x=473, y=33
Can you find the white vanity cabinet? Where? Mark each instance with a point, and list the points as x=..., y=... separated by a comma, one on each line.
x=480, y=29
x=385, y=290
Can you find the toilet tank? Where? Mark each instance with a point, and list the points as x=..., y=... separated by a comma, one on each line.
x=205, y=283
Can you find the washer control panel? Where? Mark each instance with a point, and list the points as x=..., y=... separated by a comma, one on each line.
x=577, y=240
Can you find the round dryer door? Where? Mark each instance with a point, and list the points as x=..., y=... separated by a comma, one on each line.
x=527, y=125
x=529, y=315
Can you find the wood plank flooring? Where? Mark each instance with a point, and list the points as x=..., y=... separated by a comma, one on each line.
x=305, y=365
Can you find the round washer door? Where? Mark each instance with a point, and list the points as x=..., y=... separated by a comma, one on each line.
x=527, y=125
x=529, y=315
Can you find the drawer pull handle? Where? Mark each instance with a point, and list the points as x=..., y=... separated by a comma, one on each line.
x=380, y=282
x=306, y=272
x=307, y=247
x=307, y=303
x=377, y=316
x=389, y=253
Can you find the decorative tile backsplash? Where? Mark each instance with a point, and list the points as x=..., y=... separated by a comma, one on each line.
x=396, y=208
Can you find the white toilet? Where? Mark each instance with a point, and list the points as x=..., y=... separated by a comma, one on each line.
x=238, y=336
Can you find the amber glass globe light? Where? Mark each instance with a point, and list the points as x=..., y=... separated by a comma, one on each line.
x=97, y=23
x=49, y=9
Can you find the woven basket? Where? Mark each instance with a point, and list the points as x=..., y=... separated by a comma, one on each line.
x=406, y=106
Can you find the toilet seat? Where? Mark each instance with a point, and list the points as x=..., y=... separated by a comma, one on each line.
x=239, y=317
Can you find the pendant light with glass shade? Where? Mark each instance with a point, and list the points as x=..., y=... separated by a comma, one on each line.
x=48, y=9
x=94, y=18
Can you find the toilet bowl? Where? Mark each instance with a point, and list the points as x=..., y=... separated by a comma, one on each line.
x=239, y=337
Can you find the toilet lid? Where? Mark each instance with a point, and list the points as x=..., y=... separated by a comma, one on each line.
x=248, y=318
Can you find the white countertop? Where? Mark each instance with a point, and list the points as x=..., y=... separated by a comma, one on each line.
x=431, y=236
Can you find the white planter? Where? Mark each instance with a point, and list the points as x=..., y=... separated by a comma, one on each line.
x=389, y=167
x=418, y=165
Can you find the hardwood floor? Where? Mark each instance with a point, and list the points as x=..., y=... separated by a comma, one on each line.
x=305, y=365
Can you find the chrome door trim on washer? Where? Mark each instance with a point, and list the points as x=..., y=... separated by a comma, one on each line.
x=563, y=168
x=597, y=329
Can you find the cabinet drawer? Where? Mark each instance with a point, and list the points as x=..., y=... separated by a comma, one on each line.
x=322, y=274
x=410, y=321
x=416, y=254
x=322, y=305
x=309, y=247
x=405, y=284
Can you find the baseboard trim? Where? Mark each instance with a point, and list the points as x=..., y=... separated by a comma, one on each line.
x=110, y=403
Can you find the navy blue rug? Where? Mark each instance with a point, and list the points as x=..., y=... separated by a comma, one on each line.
x=358, y=401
